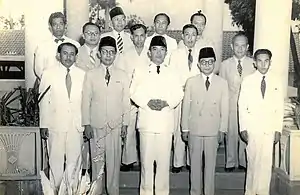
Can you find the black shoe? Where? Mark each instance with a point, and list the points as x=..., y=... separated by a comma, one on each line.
x=231, y=169
x=126, y=168
x=242, y=168
x=83, y=172
x=176, y=169
x=188, y=167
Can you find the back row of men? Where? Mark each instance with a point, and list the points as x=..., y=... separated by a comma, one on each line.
x=117, y=83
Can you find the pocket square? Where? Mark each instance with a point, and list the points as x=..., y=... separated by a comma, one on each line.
x=118, y=81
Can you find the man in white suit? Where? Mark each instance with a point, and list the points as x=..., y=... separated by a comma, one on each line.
x=45, y=53
x=156, y=90
x=135, y=56
x=184, y=60
x=261, y=107
x=161, y=24
x=60, y=113
x=234, y=69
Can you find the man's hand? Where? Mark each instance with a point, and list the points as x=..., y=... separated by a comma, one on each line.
x=244, y=136
x=88, y=132
x=44, y=133
x=277, y=137
x=185, y=136
x=163, y=104
x=153, y=104
x=124, y=131
x=221, y=137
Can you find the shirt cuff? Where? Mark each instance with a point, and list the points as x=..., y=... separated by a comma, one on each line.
x=185, y=130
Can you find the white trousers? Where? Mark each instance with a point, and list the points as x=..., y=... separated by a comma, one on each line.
x=259, y=172
x=181, y=154
x=64, y=146
x=155, y=148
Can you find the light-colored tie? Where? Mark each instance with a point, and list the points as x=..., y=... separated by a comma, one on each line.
x=68, y=82
x=190, y=59
x=120, y=43
x=240, y=68
x=92, y=57
x=207, y=83
x=263, y=86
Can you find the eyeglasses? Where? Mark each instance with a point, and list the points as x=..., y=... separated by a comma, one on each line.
x=204, y=62
x=89, y=33
x=107, y=52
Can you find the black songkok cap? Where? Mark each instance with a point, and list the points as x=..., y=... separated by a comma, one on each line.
x=207, y=52
x=107, y=41
x=115, y=12
x=158, y=41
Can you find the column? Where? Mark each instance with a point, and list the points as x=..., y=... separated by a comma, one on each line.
x=37, y=13
x=213, y=10
x=269, y=12
x=77, y=16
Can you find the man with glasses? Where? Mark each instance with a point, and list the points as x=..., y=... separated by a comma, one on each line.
x=204, y=121
x=105, y=116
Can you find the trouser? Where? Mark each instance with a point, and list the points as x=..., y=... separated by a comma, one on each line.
x=155, y=147
x=85, y=155
x=130, y=154
x=181, y=157
x=64, y=145
x=235, y=147
x=106, y=152
x=199, y=145
x=259, y=172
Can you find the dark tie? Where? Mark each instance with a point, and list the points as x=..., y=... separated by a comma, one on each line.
x=263, y=86
x=68, y=82
x=190, y=59
x=107, y=76
x=120, y=43
x=240, y=68
x=207, y=83
x=57, y=40
x=158, y=69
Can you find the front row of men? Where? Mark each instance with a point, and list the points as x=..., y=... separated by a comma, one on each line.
x=100, y=98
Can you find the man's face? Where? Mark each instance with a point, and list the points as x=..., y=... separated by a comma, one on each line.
x=91, y=35
x=119, y=22
x=240, y=47
x=157, y=54
x=161, y=25
x=263, y=63
x=138, y=37
x=199, y=22
x=57, y=27
x=107, y=55
x=206, y=65
x=67, y=55
x=189, y=37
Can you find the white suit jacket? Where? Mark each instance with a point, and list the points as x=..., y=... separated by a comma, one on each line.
x=57, y=111
x=45, y=54
x=147, y=85
x=258, y=115
x=83, y=58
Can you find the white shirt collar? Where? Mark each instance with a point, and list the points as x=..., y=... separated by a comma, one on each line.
x=117, y=33
x=205, y=77
x=65, y=68
x=242, y=59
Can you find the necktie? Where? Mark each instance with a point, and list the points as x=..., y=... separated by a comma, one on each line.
x=240, y=68
x=57, y=40
x=190, y=59
x=158, y=69
x=107, y=76
x=263, y=86
x=68, y=82
x=92, y=57
x=207, y=83
x=120, y=43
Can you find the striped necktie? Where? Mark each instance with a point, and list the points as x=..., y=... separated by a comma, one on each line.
x=190, y=59
x=68, y=82
x=207, y=83
x=263, y=86
x=240, y=68
x=120, y=43
x=92, y=59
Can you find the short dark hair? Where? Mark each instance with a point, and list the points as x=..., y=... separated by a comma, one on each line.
x=57, y=15
x=90, y=23
x=163, y=14
x=138, y=26
x=198, y=13
x=189, y=26
x=59, y=48
x=239, y=34
x=262, y=51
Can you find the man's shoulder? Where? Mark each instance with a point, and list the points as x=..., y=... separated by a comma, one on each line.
x=229, y=60
x=76, y=43
x=220, y=80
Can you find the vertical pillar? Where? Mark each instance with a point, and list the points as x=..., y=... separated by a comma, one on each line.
x=36, y=29
x=213, y=10
x=77, y=16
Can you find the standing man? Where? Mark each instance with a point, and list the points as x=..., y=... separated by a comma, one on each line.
x=161, y=24
x=156, y=90
x=60, y=113
x=234, y=69
x=184, y=60
x=105, y=116
x=133, y=57
x=45, y=53
x=261, y=107
x=204, y=121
